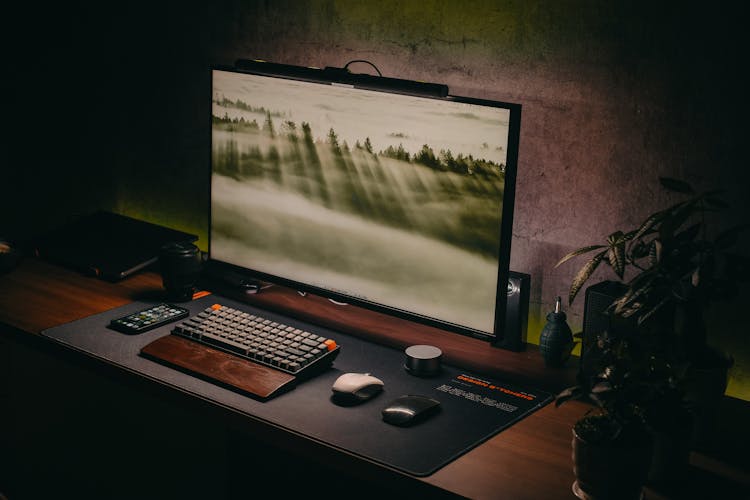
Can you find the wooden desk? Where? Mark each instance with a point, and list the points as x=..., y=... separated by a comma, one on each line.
x=531, y=459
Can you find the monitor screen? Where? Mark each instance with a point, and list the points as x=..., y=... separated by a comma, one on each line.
x=397, y=202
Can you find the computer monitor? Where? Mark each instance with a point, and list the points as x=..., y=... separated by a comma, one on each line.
x=374, y=195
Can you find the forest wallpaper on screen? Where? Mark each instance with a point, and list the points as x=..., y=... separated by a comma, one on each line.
x=388, y=198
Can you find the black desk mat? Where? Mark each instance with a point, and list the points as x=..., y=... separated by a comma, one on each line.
x=474, y=408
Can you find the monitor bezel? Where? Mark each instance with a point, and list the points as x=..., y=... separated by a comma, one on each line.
x=218, y=270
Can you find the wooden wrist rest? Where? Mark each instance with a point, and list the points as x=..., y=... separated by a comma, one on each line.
x=219, y=367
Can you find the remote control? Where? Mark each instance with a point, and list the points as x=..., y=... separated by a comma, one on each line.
x=148, y=319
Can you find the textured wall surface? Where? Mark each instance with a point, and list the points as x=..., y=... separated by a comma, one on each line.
x=112, y=108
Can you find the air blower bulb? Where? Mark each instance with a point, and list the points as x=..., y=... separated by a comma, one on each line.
x=556, y=339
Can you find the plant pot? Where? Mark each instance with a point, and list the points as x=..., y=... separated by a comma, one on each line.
x=613, y=470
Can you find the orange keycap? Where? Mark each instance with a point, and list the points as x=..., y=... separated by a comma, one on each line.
x=331, y=344
x=216, y=307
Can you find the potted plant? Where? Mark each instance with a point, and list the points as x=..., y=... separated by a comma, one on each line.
x=671, y=270
x=612, y=446
x=675, y=271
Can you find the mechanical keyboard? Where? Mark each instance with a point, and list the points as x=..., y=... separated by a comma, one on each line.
x=261, y=340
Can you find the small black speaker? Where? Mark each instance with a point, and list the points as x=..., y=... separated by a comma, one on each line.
x=516, y=313
x=596, y=320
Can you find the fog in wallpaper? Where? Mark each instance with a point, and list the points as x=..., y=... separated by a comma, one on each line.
x=388, y=198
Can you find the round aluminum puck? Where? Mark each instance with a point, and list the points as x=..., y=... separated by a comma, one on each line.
x=423, y=360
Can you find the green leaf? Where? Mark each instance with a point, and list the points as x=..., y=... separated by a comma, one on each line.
x=616, y=253
x=619, y=304
x=629, y=311
x=676, y=185
x=602, y=387
x=676, y=218
x=615, y=238
x=616, y=261
x=627, y=302
x=584, y=274
x=654, y=253
x=646, y=315
x=578, y=252
x=575, y=392
x=643, y=278
x=647, y=226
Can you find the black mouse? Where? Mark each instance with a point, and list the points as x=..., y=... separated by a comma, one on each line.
x=410, y=409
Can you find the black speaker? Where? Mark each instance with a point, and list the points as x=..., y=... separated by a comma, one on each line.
x=516, y=313
x=596, y=320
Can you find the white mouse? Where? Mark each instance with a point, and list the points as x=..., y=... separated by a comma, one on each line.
x=357, y=386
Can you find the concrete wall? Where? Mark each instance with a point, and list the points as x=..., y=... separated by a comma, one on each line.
x=614, y=94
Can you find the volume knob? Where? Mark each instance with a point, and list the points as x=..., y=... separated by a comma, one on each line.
x=423, y=360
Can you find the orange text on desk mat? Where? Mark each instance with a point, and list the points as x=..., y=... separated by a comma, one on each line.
x=488, y=385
